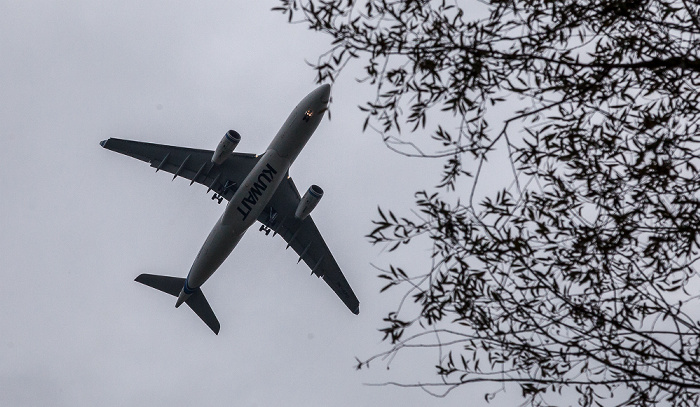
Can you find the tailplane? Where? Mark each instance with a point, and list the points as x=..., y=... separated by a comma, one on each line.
x=196, y=301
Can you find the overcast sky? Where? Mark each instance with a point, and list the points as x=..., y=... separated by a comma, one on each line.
x=78, y=222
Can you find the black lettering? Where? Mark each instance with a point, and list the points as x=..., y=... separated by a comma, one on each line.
x=250, y=200
x=257, y=189
x=245, y=214
x=265, y=177
x=268, y=173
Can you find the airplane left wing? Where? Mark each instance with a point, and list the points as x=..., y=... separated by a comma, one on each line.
x=190, y=163
x=305, y=239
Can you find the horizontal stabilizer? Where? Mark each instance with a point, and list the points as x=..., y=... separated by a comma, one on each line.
x=173, y=285
x=170, y=285
x=201, y=307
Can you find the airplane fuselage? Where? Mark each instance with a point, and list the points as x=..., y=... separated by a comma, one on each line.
x=257, y=189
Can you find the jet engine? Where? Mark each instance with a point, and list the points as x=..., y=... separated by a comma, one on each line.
x=309, y=201
x=226, y=146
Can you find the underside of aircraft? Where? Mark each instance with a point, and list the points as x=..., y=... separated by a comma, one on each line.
x=257, y=188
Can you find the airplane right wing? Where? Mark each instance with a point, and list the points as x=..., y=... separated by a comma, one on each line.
x=305, y=239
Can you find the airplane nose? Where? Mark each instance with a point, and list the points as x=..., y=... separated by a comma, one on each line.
x=324, y=92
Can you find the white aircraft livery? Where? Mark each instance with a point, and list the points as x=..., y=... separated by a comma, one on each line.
x=257, y=187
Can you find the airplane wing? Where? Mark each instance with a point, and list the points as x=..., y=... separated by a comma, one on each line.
x=306, y=240
x=189, y=163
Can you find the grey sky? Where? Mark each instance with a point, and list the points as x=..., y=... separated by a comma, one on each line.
x=79, y=222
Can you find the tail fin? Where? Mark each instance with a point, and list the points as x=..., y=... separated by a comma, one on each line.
x=197, y=301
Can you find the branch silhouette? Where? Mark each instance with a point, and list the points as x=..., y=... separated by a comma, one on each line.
x=575, y=276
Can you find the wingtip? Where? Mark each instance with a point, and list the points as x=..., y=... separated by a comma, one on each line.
x=356, y=311
x=103, y=143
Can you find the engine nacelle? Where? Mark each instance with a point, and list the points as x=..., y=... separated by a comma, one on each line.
x=226, y=146
x=309, y=201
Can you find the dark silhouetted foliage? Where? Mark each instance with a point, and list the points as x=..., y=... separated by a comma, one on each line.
x=576, y=276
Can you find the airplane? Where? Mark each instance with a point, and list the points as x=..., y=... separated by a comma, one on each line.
x=257, y=187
